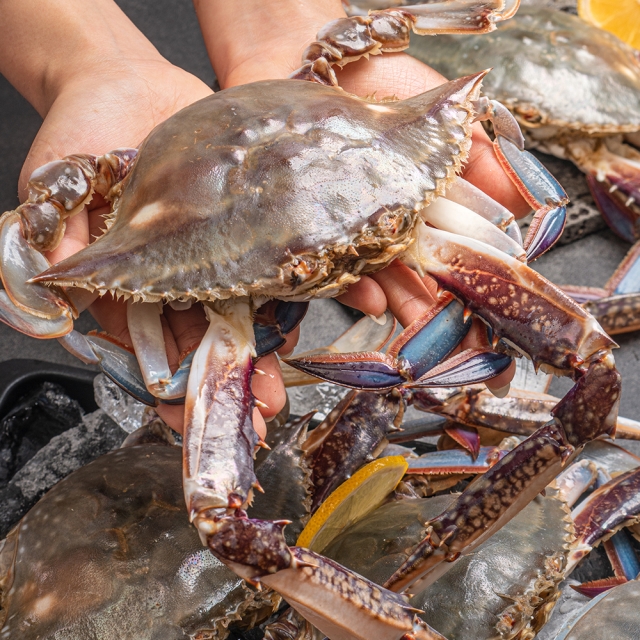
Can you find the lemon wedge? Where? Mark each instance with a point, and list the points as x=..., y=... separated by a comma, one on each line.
x=363, y=492
x=620, y=17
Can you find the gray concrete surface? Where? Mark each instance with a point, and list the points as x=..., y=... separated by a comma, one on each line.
x=172, y=27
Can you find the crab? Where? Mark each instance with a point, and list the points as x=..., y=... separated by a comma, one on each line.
x=120, y=559
x=612, y=615
x=575, y=91
x=506, y=589
x=292, y=189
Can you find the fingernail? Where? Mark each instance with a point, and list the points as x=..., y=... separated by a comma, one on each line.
x=381, y=320
x=501, y=392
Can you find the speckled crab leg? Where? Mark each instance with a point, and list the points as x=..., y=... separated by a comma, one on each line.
x=520, y=412
x=348, y=39
x=537, y=319
x=219, y=477
x=537, y=186
x=57, y=191
x=352, y=434
x=219, y=437
x=494, y=498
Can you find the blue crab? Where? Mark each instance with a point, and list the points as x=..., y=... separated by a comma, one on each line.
x=594, y=121
x=292, y=189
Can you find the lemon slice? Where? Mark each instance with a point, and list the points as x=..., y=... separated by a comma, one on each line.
x=620, y=17
x=361, y=493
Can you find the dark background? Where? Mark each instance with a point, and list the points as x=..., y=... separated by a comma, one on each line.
x=172, y=27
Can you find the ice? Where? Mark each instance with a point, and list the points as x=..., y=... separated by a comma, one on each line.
x=320, y=397
x=124, y=410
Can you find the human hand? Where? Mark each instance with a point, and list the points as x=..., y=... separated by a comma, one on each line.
x=112, y=98
x=260, y=40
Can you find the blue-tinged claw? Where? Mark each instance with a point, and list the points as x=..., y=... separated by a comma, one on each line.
x=622, y=556
x=615, y=199
x=367, y=371
x=455, y=461
x=549, y=225
x=274, y=321
x=469, y=367
x=535, y=183
x=175, y=390
x=540, y=189
x=121, y=366
x=431, y=338
x=626, y=277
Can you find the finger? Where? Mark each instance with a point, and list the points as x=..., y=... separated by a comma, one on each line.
x=268, y=387
x=366, y=295
x=477, y=338
x=173, y=415
x=407, y=296
x=291, y=341
x=76, y=237
x=402, y=76
x=501, y=381
x=188, y=327
x=111, y=315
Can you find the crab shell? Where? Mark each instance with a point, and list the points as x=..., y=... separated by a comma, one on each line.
x=108, y=553
x=551, y=69
x=505, y=589
x=252, y=192
x=612, y=615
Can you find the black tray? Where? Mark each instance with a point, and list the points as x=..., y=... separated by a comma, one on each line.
x=18, y=377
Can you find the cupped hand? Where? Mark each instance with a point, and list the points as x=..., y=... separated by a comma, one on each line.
x=113, y=106
x=268, y=43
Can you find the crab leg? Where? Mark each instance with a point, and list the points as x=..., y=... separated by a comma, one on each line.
x=57, y=191
x=348, y=39
x=614, y=505
x=469, y=196
x=353, y=433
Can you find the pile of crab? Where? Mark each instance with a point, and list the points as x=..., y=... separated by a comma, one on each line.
x=257, y=199
x=109, y=553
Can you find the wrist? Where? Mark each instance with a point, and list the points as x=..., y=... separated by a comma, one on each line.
x=259, y=40
x=50, y=45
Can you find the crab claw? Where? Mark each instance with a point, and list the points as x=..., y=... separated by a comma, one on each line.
x=613, y=174
x=614, y=505
x=469, y=367
x=360, y=609
x=537, y=186
x=273, y=321
x=412, y=357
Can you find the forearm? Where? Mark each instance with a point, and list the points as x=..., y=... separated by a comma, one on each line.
x=46, y=44
x=260, y=39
